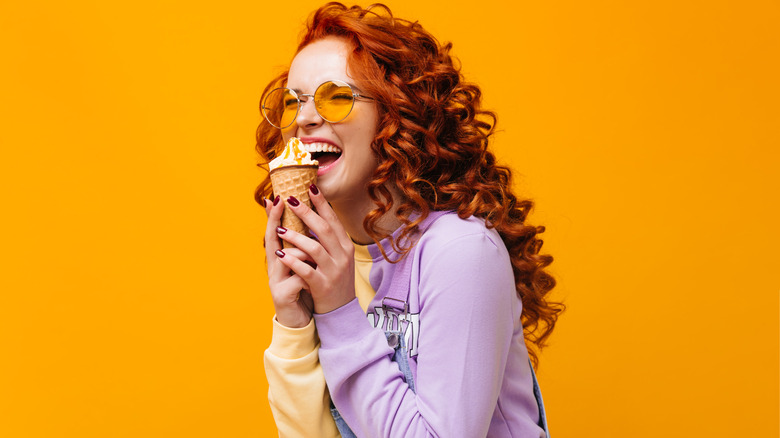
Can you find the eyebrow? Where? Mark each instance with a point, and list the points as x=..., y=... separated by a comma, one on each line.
x=354, y=87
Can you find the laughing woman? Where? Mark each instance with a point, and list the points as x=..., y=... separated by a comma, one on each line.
x=414, y=310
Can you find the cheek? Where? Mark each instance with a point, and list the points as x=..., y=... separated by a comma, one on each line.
x=368, y=132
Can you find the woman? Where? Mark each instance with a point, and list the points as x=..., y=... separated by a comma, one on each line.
x=410, y=311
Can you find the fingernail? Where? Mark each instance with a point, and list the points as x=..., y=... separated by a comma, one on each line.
x=292, y=201
x=281, y=230
x=279, y=253
x=276, y=199
x=314, y=189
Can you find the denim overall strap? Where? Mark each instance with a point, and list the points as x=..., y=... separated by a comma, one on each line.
x=539, y=402
x=341, y=425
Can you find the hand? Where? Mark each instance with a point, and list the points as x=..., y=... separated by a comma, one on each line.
x=292, y=302
x=332, y=280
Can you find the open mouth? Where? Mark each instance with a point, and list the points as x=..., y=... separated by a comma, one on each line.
x=325, y=153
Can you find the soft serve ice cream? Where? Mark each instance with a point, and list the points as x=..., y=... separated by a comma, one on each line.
x=294, y=154
x=292, y=173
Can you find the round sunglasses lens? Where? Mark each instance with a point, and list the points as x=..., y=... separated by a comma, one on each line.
x=281, y=107
x=334, y=101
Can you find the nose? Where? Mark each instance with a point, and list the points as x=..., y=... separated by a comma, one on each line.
x=307, y=114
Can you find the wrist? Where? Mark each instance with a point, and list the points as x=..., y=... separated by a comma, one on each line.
x=292, y=321
x=322, y=308
x=327, y=303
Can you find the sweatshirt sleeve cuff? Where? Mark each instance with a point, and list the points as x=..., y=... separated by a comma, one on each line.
x=292, y=343
x=343, y=326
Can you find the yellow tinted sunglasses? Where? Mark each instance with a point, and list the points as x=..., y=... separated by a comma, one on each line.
x=333, y=101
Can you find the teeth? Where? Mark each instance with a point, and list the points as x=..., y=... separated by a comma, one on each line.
x=321, y=147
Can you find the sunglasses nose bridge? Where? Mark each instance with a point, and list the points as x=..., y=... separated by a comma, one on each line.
x=307, y=117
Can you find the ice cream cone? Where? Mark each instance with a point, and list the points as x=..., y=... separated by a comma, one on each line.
x=293, y=181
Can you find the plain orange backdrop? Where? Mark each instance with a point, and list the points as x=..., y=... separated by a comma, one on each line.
x=133, y=300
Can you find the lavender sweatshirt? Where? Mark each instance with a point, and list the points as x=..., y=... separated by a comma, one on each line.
x=468, y=357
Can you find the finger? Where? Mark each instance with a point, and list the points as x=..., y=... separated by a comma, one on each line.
x=277, y=271
x=297, y=253
x=272, y=242
x=303, y=270
x=329, y=235
x=324, y=209
x=326, y=212
x=269, y=203
x=280, y=270
x=305, y=248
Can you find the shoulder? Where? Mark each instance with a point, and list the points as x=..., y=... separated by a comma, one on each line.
x=451, y=236
x=449, y=227
x=456, y=257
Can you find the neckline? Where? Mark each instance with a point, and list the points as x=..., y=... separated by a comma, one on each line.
x=371, y=252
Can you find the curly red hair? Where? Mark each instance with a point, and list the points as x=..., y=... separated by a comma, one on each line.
x=431, y=145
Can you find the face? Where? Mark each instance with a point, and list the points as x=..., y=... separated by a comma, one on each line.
x=343, y=174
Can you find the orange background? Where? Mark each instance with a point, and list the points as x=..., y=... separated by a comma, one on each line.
x=133, y=300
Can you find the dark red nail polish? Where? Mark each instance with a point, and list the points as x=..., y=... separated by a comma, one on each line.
x=281, y=230
x=276, y=199
x=279, y=253
x=292, y=201
x=314, y=189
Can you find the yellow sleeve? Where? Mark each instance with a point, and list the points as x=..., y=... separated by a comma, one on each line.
x=299, y=398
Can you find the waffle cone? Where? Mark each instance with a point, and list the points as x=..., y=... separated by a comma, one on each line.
x=293, y=181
